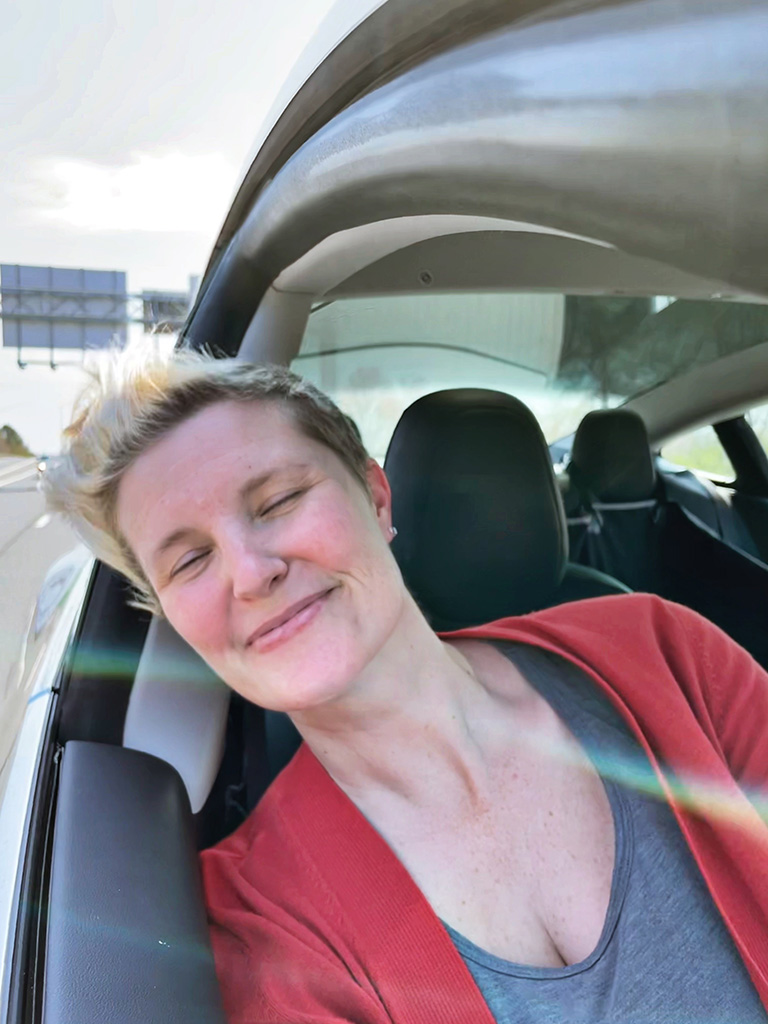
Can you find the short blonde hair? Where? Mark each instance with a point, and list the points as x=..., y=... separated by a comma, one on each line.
x=134, y=398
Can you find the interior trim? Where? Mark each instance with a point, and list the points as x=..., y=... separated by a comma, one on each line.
x=339, y=256
x=127, y=932
x=717, y=391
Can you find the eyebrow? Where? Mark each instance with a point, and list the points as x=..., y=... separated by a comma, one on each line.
x=249, y=487
x=168, y=542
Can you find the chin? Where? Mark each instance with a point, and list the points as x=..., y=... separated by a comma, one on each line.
x=305, y=682
x=303, y=696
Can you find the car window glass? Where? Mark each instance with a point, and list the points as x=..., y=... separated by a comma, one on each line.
x=700, y=449
x=563, y=355
x=758, y=420
x=377, y=355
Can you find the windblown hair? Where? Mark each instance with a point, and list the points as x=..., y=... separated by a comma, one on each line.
x=132, y=400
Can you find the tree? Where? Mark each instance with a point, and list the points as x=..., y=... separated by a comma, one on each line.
x=11, y=443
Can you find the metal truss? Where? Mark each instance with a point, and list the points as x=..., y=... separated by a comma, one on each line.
x=156, y=311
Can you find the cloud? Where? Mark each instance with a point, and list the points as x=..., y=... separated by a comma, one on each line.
x=168, y=193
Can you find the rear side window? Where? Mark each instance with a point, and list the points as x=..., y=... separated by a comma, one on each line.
x=758, y=420
x=700, y=450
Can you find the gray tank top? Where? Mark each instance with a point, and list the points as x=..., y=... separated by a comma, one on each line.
x=664, y=954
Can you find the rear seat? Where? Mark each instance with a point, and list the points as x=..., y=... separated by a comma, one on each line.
x=614, y=498
x=626, y=521
x=615, y=492
x=712, y=505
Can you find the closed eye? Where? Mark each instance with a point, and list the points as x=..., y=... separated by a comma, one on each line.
x=182, y=566
x=281, y=502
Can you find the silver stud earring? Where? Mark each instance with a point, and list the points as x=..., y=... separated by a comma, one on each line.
x=393, y=531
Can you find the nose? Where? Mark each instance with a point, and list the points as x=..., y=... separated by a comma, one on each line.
x=253, y=571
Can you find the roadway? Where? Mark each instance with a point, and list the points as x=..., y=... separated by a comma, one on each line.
x=30, y=541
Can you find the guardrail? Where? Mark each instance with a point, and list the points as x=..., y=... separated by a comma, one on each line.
x=16, y=470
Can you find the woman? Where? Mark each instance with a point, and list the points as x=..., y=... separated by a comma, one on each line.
x=442, y=847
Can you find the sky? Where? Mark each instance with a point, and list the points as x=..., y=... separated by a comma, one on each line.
x=124, y=127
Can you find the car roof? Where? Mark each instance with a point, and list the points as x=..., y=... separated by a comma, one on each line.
x=608, y=147
x=359, y=45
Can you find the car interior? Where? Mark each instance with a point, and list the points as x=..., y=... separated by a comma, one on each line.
x=154, y=759
x=158, y=760
x=521, y=305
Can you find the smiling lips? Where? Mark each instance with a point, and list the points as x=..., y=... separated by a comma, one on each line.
x=285, y=625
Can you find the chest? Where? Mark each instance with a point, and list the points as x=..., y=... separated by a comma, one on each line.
x=526, y=871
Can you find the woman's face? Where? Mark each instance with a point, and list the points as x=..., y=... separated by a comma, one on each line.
x=267, y=555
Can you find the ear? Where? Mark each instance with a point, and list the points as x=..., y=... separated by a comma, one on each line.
x=381, y=496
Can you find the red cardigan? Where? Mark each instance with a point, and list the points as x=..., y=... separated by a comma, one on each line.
x=314, y=920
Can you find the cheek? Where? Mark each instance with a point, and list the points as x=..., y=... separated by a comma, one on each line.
x=347, y=542
x=197, y=614
x=338, y=534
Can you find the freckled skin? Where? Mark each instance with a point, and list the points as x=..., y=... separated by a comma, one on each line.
x=537, y=861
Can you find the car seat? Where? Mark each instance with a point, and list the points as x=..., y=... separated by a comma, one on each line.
x=628, y=522
x=614, y=498
x=481, y=524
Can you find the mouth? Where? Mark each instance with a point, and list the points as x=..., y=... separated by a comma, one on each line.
x=287, y=623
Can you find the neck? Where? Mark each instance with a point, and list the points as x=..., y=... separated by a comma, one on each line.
x=407, y=719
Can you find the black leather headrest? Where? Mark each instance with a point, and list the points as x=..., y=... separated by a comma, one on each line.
x=611, y=457
x=481, y=528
